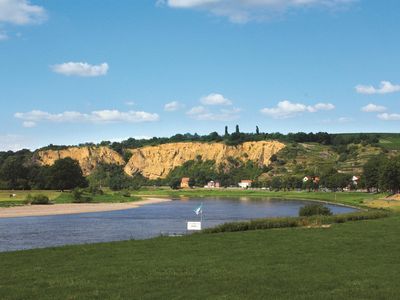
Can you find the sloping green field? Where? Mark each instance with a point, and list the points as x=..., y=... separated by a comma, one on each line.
x=355, y=260
x=390, y=141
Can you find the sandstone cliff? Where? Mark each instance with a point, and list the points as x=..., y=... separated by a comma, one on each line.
x=88, y=157
x=157, y=161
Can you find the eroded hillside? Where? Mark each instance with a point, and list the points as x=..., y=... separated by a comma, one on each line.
x=157, y=161
x=88, y=157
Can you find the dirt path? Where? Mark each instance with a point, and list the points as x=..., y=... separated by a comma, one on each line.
x=71, y=208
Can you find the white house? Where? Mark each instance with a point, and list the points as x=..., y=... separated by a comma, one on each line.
x=244, y=184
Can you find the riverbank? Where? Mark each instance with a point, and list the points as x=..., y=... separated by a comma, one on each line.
x=71, y=208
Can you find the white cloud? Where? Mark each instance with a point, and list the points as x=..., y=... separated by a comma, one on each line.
x=322, y=106
x=373, y=108
x=3, y=36
x=203, y=114
x=130, y=103
x=81, y=69
x=28, y=124
x=215, y=99
x=389, y=117
x=21, y=12
x=197, y=110
x=287, y=109
x=100, y=116
x=242, y=11
x=172, y=106
x=385, y=87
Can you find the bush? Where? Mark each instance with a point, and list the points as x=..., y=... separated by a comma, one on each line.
x=79, y=197
x=315, y=209
x=82, y=200
x=38, y=199
x=125, y=194
x=94, y=190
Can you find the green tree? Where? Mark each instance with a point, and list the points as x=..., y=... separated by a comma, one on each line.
x=14, y=172
x=389, y=175
x=66, y=174
x=371, y=172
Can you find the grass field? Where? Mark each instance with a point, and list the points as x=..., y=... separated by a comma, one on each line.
x=60, y=197
x=356, y=260
x=6, y=200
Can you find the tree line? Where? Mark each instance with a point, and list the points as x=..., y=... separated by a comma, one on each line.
x=18, y=171
x=382, y=173
x=236, y=137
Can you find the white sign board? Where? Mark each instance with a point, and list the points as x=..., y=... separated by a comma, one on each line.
x=193, y=225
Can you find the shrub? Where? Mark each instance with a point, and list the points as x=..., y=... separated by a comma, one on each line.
x=125, y=194
x=79, y=197
x=38, y=199
x=315, y=209
x=82, y=200
x=94, y=190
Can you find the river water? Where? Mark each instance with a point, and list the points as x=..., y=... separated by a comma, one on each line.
x=139, y=223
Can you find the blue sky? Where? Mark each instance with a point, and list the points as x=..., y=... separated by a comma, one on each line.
x=79, y=71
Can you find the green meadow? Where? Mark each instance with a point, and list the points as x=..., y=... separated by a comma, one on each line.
x=354, y=260
x=58, y=197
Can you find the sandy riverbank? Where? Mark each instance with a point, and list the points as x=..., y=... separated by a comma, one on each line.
x=71, y=208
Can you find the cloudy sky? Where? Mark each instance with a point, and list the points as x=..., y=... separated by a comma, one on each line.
x=76, y=71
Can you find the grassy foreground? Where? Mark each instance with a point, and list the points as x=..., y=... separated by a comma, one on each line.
x=356, y=260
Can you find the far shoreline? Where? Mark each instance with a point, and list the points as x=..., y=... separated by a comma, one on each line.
x=73, y=208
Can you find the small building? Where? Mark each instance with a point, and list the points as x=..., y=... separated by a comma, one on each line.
x=355, y=180
x=315, y=179
x=244, y=184
x=213, y=185
x=185, y=183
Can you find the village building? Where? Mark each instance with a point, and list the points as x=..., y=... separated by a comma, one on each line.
x=245, y=184
x=185, y=183
x=213, y=185
x=355, y=180
x=315, y=179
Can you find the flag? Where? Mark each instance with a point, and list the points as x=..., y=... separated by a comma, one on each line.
x=199, y=210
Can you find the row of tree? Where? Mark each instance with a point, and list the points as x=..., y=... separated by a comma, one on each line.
x=382, y=173
x=237, y=137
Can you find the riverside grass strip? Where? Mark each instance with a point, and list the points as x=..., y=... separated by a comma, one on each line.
x=271, y=223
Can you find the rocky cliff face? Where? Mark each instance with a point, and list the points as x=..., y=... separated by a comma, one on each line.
x=88, y=157
x=157, y=161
